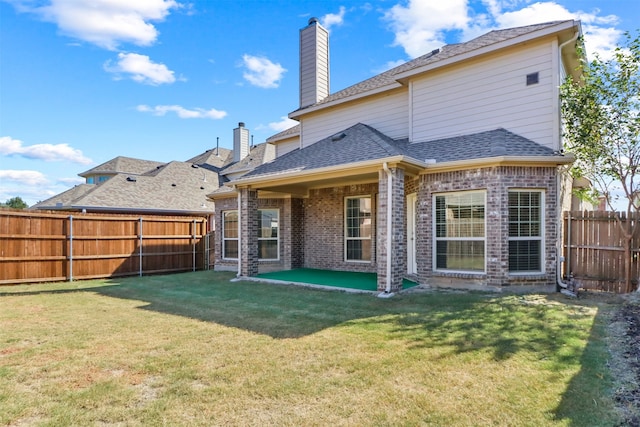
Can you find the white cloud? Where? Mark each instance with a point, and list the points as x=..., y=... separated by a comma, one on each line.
x=46, y=152
x=25, y=177
x=141, y=69
x=181, y=112
x=262, y=72
x=105, y=23
x=333, y=19
x=420, y=26
x=284, y=124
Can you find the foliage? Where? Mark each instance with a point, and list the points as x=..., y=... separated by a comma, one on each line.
x=15, y=203
x=601, y=113
x=602, y=124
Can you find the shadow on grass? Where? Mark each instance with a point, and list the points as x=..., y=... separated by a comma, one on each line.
x=549, y=330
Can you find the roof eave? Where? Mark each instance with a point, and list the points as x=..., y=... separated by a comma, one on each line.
x=544, y=32
x=295, y=115
x=500, y=161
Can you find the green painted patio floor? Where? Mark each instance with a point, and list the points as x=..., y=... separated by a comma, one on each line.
x=331, y=278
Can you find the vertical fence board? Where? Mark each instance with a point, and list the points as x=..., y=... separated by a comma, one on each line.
x=593, y=247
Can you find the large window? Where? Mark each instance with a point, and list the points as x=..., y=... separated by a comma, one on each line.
x=460, y=231
x=525, y=231
x=358, y=229
x=268, y=234
x=230, y=234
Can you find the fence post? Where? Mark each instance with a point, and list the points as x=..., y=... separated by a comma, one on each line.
x=193, y=244
x=71, y=248
x=140, y=245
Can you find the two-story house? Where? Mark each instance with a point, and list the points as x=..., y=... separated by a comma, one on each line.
x=448, y=169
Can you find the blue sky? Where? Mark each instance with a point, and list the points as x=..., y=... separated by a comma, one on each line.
x=163, y=79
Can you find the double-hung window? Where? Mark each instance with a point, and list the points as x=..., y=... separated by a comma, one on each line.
x=230, y=235
x=268, y=232
x=357, y=242
x=525, y=231
x=460, y=231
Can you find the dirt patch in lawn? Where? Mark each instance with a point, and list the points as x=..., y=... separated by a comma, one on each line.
x=624, y=343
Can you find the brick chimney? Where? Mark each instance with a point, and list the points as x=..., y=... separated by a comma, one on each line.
x=240, y=142
x=314, y=63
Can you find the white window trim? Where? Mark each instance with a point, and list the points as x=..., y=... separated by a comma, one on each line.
x=435, y=238
x=346, y=232
x=224, y=239
x=527, y=238
x=277, y=239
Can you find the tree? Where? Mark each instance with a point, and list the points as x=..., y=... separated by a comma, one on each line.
x=16, y=203
x=601, y=113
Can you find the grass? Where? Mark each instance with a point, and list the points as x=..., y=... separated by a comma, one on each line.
x=197, y=349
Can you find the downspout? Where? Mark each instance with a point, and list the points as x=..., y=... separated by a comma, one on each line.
x=239, y=236
x=389, y=224
x=564, y=286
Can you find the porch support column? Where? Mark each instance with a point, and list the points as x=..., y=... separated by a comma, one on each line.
x=391, y=247
x=248, y=232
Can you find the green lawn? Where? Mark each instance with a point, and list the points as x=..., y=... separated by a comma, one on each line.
x=196, y=349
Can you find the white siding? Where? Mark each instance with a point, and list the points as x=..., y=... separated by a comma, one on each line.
x=387, y=113
x=286, y=145
x=314, y=64
x=487, y=94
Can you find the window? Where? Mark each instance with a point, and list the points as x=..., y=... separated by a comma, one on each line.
x=230, y=235
x=358, y=229
x=460, y=231
x=525, y=231
x=268, y=234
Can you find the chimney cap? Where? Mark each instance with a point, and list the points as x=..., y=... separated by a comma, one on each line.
x=241, y=124
x=313, y=20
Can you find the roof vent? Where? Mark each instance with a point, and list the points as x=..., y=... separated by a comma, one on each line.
x=195, y=166
x=173, y=185
x=131, y=179
x=435, y=51
x=338, y=136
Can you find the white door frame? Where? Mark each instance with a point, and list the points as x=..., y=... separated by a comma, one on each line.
x=412, y=213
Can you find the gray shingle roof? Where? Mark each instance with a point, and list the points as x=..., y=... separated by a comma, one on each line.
x=122, y=164
x=390, y=77
x=258, y=155
x=355, y=144
x=493, y=143
x=174, y=187
x=216, y=157
x=362, y=142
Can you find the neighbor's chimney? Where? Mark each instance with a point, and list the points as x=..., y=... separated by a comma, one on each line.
x=314, y=63
x=240, y=142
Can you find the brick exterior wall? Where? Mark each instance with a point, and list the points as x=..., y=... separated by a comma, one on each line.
x=312, y=229
x=324, y=228
x=496, y=181
x=291, y=251
x=398, y=230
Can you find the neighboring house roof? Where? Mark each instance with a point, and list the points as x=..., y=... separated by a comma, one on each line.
x=390, y=79
x=65, y=197
x=122, y=164
x=176, y=187
x=259, y=154
x=216, y=157
x=361, y=143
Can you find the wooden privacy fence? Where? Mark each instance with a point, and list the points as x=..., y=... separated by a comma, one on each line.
x=38, y=246
x=593, y=249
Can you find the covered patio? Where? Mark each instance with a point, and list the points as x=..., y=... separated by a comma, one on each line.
x=339, y=280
